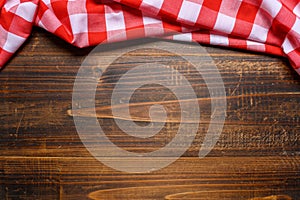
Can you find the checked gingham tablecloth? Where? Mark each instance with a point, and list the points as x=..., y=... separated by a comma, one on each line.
x=269, y=26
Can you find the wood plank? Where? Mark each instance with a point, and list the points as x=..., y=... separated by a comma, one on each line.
x=79, y=177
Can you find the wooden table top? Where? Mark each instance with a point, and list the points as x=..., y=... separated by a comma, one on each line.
x=257, y=156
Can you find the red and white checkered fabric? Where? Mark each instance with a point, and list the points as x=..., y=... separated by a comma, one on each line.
x=270, y=26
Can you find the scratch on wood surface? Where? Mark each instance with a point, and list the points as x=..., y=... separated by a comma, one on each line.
x=238, y=84
x=20, y=121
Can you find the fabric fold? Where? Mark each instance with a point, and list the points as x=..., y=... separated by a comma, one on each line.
x=268, y=26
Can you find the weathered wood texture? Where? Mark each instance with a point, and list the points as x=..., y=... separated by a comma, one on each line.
x=42, y=157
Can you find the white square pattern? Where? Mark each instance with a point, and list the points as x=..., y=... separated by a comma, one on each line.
x=189, y=11
x=150, y=20
x=296, y=26
x=3, y=34
x=271, y=6
x=154, y=3
x=114, y=21
x=251, y=45
x=259, y=33
x=287, y=46
x=152, y=26
x=47, y=2
x=224, y=23
x=11, y=3
x=79, y=23
x=186, y=37
x=297, y=10
x=219, y=40
x=26, y=11
x=13, y=42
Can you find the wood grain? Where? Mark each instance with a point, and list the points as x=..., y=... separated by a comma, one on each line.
x=42, y=157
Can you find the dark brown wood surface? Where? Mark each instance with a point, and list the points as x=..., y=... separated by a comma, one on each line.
x=42, y=157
